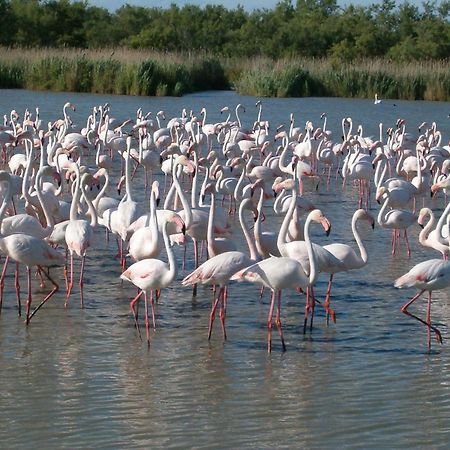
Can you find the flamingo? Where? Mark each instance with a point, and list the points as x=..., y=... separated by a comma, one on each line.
x=79, y=232
x=298, y=250
x=430, y=275
x=28, y=250
x=395, y=219
x=432, y=238
x=349, y=258
x=145, y=242
x=153, y=274
x=219, y=269
x=277, y=273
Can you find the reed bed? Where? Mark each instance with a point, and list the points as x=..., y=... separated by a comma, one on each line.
x=428, y=80
x=110, y=71
x=142, y=72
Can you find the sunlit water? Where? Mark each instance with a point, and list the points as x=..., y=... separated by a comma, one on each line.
x=82, y=378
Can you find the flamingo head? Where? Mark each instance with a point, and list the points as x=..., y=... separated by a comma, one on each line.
x=422, y=215
x=364, y=215
x=288, y=184
x=121, y=183
x=186, y=162
x=380, y=192
x=180, y=226
x=258, y=184
x=318, y=216
x=155, y=191
x=435, y=188
x=210, y=187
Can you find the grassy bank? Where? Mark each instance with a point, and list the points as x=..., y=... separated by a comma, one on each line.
x=110, y=72
x=362, y=79
x=137, y=72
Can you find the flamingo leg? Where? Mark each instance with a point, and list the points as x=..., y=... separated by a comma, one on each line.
x=408, y=249
x=313, y=304
x=132, y=303
x=307, y=308
x=17, y=284
x=326, y=304
x=66, y=270
x=152, y=303
x=429, y=320
x=212, y=314
x=194, y=287
x=222, y=313
x=48, y=296
x=81, y=283
x=393, y=242
x=278, y=321
x=71, y=280
x=269, y=323
x=147, y=323
x=405, y=311
x=261, y=293
x=2, y=281
x=29, y=294
x=41, y=280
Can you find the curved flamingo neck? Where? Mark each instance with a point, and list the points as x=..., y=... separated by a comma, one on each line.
x=313, y=272
x=381, y=219
x=362, y=249
x=441, y=222
x=49, y=222
x=76, y=195
x=282, y=235
x=186, y=206
x=103, y=190
x=210, y=229
x=257, y=228
x=92, y=212
x=172, y=273
x=248, y=237
x=425, y=232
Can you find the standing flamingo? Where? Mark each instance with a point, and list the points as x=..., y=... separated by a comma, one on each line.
x=349, y=258
x=430, y=275
x=28, y=250
x=79, y=232
x=278, y=273
x=219, y=269
x=153, y=274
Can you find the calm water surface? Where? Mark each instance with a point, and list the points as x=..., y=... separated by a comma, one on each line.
x=82, y=379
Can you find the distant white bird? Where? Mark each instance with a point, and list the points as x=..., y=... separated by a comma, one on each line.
x=377, y=100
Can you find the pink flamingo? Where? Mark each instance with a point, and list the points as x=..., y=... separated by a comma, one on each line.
x=277, y=273
x=79, y=232
x=219, y=269
x=430, y=275
x=28, y=250
x=350, y=260
x=153, y=274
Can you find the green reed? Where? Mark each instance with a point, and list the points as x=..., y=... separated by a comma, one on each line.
x=140, y=72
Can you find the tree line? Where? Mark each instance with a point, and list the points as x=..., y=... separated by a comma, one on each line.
x=307, y=28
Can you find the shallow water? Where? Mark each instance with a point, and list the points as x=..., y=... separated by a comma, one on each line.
x=82, y=379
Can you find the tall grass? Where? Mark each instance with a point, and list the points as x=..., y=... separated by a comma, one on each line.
x=297, y=78
x=110, y=72
x=140, y=72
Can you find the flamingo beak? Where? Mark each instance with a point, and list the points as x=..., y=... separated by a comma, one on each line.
x=373, y=225
x=158, y=201
x=326, y=225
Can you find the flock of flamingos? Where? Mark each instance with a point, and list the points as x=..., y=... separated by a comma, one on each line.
x=206, y=173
